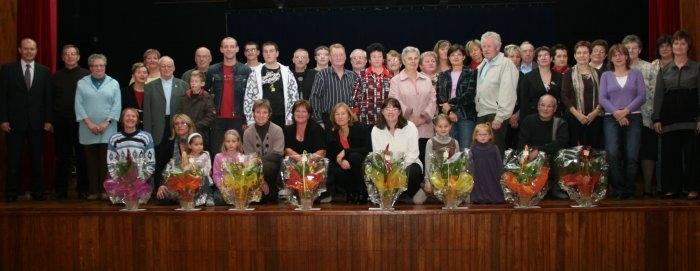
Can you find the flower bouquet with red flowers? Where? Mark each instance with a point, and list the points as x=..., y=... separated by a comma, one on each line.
x=524, y=181
x=129, y=186
x=450, y=177
x=185, y=181
x=305, y=176
x=385, y=177
x=242, y=183
x=582, y=174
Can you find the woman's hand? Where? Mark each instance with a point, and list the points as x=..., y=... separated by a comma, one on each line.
x=265, y=188
x=417, y=120
x=658, y=129
x=446, y=107
x=623, y=122
x=591, y=116
x=340, y=156
x=427, y=187
x=514, y=120
x=344, y=164
x=619, y=114
x=453, y=117
x=162, y=192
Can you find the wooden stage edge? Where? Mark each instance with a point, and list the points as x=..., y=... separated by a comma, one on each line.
x=642, y=234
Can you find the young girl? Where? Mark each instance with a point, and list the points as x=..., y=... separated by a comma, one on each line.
x=198, y=157
x=487, y=167
x=230, y=149
x=442, y=139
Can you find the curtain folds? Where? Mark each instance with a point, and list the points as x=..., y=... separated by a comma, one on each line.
x=664, y=19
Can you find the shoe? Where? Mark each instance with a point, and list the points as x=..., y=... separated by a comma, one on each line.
x=419, y=197
x=351, y=198
x=284, y=195
x=104, y=196
x=326, y=197
x=92, y=197
x=693, y=195
x=670, y=195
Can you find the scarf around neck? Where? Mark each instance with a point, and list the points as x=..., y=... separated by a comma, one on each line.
x=577, y=80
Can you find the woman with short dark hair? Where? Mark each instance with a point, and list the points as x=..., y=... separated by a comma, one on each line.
x=395, y=132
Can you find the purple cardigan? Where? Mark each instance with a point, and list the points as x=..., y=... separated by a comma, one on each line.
x=613, y=97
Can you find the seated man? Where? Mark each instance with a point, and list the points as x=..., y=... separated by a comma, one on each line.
x=547, y=133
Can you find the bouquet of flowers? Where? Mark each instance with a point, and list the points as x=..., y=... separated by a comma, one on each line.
x=305, y=176
x=524, y=182
x=130, y=186
x=450, y=177
x=385, y=177
x=185, y=181
x=242, y=183
x=582, y=174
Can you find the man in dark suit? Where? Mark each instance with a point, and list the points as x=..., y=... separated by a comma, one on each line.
x=161, y=100
x=25, y=113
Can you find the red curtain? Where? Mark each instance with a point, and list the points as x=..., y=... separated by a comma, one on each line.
x=664, y=19
x=37, y=19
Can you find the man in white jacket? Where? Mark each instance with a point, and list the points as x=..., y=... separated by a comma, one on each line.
x=496, y=93
x=274, y=82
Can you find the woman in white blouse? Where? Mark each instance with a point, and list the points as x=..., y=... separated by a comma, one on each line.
x=400, y=135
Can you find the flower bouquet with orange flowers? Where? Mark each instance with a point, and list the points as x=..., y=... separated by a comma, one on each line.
x=242, y=183
x=524, y=181
x=450, y=177
x=129, y=186
x=305, y=176
x=385, y=177
x=185, y=181
x=582, y=174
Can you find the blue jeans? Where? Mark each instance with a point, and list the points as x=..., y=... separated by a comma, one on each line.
x=622, y=146
x=462, y=131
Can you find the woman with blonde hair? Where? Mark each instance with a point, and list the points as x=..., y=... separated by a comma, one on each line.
x=347, y=145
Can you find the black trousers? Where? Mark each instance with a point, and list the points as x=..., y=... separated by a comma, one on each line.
x=15, y=143
x=68, y=150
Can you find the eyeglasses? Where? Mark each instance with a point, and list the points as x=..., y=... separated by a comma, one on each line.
x=180, y=123
x=97, y=66
x=357, y=57
x=251, y=50
x=391, y=109
x=166, y=66
x=300, y=57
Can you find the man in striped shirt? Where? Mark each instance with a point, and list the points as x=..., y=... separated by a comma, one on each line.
x=332, y=85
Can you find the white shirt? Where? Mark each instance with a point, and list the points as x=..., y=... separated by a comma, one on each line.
x=403, y=140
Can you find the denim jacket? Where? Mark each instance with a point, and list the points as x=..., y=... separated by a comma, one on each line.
x=215, y=78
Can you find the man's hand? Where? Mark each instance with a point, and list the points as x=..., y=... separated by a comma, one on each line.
x=496, y=124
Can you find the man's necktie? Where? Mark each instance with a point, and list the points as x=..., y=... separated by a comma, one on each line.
x=28, y=76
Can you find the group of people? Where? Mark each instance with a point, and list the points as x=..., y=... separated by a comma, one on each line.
x=454, y=96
